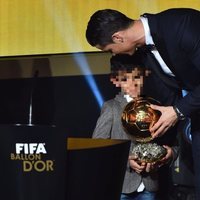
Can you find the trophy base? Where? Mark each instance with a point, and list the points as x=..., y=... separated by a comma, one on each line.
x=148, y=152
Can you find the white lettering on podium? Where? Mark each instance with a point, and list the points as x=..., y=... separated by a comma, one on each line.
x=30, y=148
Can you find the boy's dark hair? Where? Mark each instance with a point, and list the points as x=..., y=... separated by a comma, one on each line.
x=103, y=24
x=126, y=63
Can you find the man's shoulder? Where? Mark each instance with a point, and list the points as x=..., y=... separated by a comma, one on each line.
x=173, y=12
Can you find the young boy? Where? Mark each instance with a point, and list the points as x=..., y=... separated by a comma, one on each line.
x=141, y=180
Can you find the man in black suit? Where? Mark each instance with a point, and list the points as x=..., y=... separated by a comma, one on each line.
x=173, y=41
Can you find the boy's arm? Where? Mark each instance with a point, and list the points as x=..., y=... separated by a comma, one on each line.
x=104, y=123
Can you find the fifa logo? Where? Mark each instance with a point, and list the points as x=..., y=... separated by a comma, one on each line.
x=31, y=148
x=31, y=156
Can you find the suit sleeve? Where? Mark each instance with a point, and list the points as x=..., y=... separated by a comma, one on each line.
x=175, y=150
x=190, y=43
x=104, y=123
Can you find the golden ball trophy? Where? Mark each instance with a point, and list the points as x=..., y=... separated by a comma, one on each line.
x=137, y=118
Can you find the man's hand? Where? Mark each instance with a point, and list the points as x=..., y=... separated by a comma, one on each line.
x=167, y=119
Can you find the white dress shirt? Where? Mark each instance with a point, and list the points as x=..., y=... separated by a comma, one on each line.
x=149, y=40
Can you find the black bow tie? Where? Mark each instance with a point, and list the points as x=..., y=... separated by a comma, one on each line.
x=147, y=48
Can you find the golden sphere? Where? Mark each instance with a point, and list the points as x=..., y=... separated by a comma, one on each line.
x=138, y=117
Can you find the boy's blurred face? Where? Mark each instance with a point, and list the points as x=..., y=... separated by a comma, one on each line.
x=131, y=83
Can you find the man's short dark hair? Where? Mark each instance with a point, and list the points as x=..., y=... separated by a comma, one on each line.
x=103, y=24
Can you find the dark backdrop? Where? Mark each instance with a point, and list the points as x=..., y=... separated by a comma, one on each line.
x=67, y=102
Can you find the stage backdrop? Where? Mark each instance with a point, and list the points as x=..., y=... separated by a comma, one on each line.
x=58, y=26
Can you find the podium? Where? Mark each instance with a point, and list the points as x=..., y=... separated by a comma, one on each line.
x=41, y=163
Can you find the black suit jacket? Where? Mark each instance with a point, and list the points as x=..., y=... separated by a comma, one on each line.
x=176, y=34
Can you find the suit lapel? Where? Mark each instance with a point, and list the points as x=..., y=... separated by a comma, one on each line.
x=160, y=43
x=153, y=64
x=121, y=99
x=160, y=46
